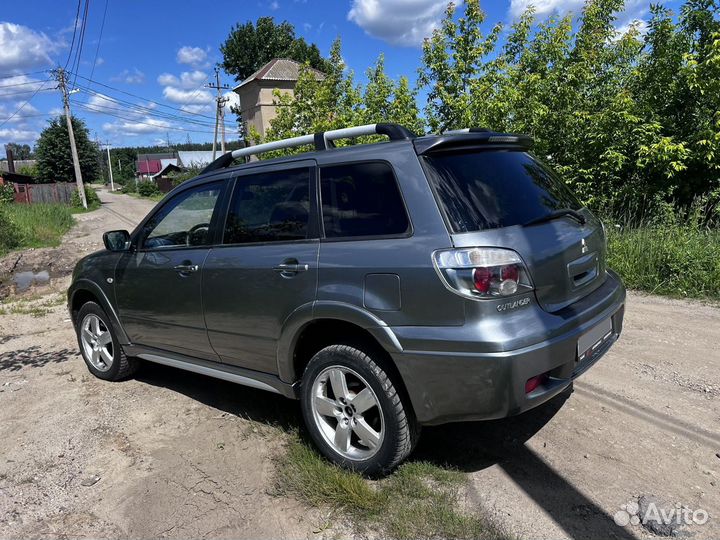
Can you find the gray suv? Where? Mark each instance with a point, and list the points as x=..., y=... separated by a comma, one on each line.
x=386, y=285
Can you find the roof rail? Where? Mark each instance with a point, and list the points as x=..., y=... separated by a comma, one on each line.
x=321, y=141
x=466, y=130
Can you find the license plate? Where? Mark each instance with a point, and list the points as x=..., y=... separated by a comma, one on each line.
x=593, y=339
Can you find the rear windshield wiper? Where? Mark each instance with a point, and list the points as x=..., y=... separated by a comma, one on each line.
x=569, y=212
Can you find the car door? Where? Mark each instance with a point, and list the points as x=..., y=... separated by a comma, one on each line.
x=266, y=266
x=158, y=283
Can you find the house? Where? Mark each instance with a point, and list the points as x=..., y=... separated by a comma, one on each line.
x=150, y=164
x=257, y=102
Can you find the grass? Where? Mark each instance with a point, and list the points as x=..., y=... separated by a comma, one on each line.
x=674, y=260
x=33, y=225
x=419, y=500
x=32, y=306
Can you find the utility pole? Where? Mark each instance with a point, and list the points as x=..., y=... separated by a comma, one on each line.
x=60, y=75
x=112, y=184
x=219, y=111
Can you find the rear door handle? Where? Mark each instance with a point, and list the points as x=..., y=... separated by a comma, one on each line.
x=291, y=268
x=186, y=268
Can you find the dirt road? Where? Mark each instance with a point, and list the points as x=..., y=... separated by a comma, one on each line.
x=172, y=454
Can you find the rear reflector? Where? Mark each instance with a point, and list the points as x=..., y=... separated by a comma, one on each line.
x=533, y=382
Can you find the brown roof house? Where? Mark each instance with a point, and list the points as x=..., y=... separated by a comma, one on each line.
x=257, y=102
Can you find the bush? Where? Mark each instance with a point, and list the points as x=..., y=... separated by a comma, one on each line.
x=91, y=196
x=148, y=188
x=129, y=187
x=7, y=194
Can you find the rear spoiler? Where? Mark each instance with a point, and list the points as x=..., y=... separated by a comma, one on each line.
x=470, y=138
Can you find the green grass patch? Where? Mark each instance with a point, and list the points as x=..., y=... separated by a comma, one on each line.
x=33, y=225
x=419, y=500
x=675, y=260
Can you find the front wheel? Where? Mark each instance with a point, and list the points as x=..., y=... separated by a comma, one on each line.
x=354, y=413
x=99, y=346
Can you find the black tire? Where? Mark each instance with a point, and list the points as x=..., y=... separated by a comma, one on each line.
x=401, y=430
x=121, y=367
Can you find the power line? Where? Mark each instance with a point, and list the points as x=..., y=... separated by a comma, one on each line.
x=25, y=92
x=97, y=49
x=142, y=98
x=75, y=24
x=138, y=109
x=81, y=41
x=136, y=121
x=23, y=105
x=8, y=76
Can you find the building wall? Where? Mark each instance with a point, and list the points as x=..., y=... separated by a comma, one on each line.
x=257, y=102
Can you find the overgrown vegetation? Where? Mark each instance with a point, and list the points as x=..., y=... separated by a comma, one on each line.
x=91, y=197
x=33, y=225
x=419, y=500
x=631, y=121
x=54, y=158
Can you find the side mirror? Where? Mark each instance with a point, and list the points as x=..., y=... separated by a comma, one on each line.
x=117, y=240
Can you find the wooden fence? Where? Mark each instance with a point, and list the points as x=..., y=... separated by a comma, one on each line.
x=59, y=192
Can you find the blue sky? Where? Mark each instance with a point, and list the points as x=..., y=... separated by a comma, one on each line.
x=162, y=52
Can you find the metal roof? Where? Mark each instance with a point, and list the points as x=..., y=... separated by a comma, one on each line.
x=279, y=69
x=196, y=158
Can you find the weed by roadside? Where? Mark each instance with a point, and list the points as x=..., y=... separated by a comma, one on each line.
x=91, y=197
x=33, y=225
x=419, y=500
x=31, y=305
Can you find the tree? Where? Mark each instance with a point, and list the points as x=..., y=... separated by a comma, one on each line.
x=19, y=151
x=250, y=46
x=54, y=157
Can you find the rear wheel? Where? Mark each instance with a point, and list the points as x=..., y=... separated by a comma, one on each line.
x=353, y=411
x=99, y=346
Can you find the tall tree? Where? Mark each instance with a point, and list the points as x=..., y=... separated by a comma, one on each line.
x=250, y=46
x=55, y=158
x=19, y=151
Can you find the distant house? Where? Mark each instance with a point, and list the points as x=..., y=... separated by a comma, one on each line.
x=257, y=102
x=19, y=164
x=149, y=164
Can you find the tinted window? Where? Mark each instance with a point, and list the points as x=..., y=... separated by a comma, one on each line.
x=362, y=199
x=184, y=220
x=270, y=207
x=491, y=189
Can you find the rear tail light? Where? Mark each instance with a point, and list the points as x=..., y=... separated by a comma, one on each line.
x=533, y=382
x=482, y=272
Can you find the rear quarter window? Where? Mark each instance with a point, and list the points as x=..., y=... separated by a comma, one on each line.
x=489, y=189
x=362, y=200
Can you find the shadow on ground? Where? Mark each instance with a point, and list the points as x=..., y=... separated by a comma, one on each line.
x=33, y=356
x=469, y=447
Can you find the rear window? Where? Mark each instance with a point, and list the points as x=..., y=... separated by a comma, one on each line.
x=491, y=189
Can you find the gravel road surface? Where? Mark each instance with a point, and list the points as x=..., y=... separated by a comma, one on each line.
x=173, y=454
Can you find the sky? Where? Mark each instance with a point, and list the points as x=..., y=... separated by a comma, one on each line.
x=143, y=64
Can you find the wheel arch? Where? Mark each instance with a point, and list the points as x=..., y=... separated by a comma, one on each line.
x=83, y=291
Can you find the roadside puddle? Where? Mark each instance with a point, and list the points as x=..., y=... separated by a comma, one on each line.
x=24, y=280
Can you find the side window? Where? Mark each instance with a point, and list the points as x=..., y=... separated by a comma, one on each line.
x=269, y=207
x=361, y=199
x=184, y=220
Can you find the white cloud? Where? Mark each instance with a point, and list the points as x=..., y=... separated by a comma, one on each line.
x=22, y=48
x=186, y=97
x=197, y=109
x=141, y=126
x=399, y=22
x=100, y=61
x=232, y=100
x=130, y=77
x=20, y=87
x=192, y=56
x=14, y=114
x=274, y=5
x=544, y=8
x=19, y=135
x=640, y=25
x=188, y=79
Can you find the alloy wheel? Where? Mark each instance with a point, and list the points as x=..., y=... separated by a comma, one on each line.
x=96, y=342
x=347, y=412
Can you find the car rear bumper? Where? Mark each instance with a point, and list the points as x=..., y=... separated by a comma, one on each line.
x=468, y=385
